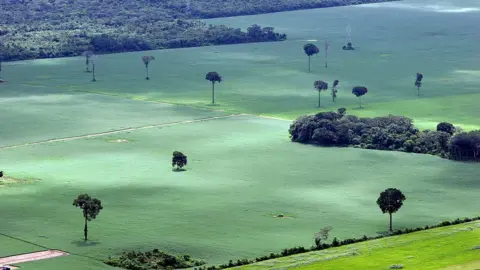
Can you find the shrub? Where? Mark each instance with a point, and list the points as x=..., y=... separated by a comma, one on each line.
x=152, y=259
x=396, y=266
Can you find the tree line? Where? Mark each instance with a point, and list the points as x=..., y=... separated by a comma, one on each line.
x=160, y=35
x=395, y=133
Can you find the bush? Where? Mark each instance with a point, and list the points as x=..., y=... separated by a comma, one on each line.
x=394, y=133
x=154, y=259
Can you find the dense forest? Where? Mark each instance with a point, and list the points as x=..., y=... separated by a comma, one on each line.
x=56, y=28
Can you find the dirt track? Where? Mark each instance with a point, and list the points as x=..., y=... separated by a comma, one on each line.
x=6, y=261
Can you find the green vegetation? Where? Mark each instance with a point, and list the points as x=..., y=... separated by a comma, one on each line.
x=320, y=86
x=33, y=29
x=213, y=77
x=91, y=207
x=229, y=189
x=249, y=190
x=310, y=49
x=390, y=201
x=431, y=249
x=154, y=259
x=386, y=133
x=179, y=160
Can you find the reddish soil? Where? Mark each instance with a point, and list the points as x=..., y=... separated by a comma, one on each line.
x=8, y=261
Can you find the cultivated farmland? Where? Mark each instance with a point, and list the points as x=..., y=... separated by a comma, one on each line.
x=64, y=135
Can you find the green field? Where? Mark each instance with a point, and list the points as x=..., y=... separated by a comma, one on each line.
x=223, y=206
x=433, y=249
x=272, y=78
x=243, y=169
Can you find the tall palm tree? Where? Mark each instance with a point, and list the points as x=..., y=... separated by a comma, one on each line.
x=213, y=77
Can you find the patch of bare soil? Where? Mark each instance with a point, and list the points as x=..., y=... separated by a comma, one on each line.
x=28, y=257
x=119, y=141
x=6, y=181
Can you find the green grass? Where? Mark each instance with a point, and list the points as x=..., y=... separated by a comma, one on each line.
x=242, y=170
x=11, y=246
x=272, y=78
x=31, y=114
x=222, y=207
x=431, y=249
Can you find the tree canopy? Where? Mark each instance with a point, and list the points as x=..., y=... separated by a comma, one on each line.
x=147, y=59
x=213, y=77
x=359, y=91
x=385, y=133
x=390, y=201
x=91, y=207
x=310, y=49
x=179, y=160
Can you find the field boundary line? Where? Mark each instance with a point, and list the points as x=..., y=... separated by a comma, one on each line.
x=100, y=134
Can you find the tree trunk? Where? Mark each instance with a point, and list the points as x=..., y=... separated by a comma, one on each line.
x=319, y=99
x=390, y=221
x=309, y=63
x=326, y=59
x=147, y=78
x=87, y=63
x=213, y=92
x=93, y=74
x=360, y=101
x=418, y=90
x=85, y=230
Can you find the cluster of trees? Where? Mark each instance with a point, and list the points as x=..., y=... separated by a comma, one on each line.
x=154, y=259
x=386, y=133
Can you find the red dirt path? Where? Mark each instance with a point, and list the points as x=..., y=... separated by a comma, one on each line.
x=7, y=261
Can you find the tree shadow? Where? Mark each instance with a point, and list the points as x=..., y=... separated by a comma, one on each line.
x=82, y=243
x=178, y=170
x=213, y=105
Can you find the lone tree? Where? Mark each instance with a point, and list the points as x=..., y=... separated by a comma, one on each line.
x=179, y=160
x=335, y=90
x=342, y=111
x=390, y=201
x=359, y=91
x=88, y=55
x=310, y=50
x=93, y=60
x=320, y=86
x=213, y=77
x=146, y=60
x=418, y=82
x=90, y=207
x=322, y=235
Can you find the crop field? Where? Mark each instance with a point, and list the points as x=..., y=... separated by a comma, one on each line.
x=223, y=206
x=272, y=78
x=448, y=248
x=63, y=135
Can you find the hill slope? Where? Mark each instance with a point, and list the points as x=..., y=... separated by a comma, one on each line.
x=452, y=247
x=56, y=28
